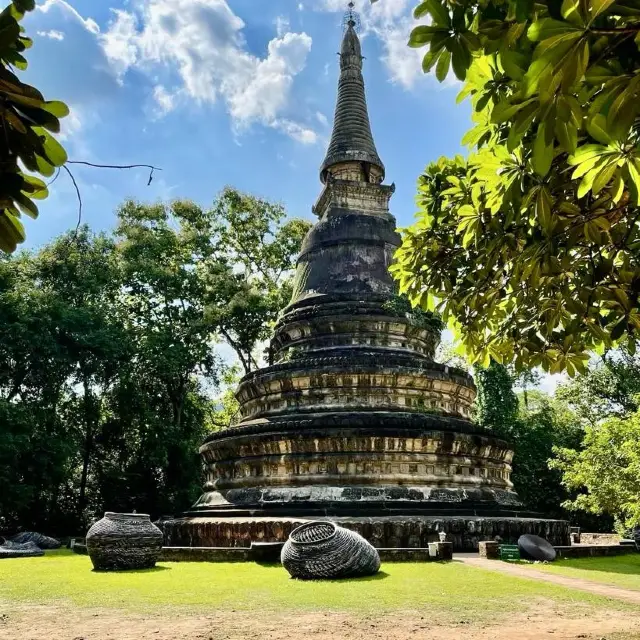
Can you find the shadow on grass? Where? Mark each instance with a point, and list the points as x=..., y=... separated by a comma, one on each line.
x=133, y=571
x=381, y=575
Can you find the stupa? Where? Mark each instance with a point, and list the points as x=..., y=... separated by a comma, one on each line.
x=353, y=420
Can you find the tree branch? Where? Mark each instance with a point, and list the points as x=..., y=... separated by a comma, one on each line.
x=615, y=32
x=118, y=166
x=236, y=347
x=75, y=184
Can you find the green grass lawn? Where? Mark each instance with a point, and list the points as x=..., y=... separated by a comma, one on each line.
x=621, y=571
x=447, y=590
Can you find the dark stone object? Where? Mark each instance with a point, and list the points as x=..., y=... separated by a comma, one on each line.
x=122, y=541
x=322, y=550
x=266, y=551
x=636, y=537
x=536, y=548
x=41, y=541
x=12, y=549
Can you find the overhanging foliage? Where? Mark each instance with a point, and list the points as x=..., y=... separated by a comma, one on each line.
x=26, y=124
x=530, y=247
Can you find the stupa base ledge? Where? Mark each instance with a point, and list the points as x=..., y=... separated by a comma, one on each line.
x=384, y=532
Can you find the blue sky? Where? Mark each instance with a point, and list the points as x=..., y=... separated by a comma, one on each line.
x=227, y=92
x=216, y=92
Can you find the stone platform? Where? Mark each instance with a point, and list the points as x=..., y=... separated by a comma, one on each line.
x=465, y=532
x=243, y=554
x=595, y=550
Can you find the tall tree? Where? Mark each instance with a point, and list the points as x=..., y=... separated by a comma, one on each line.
x=606, y=471
x=255, y=237
x=532, y=242
x=109, y=367
x=533, y=430
x=496, y=403
x=610, y=388
x=82, y=273
x=60, y=346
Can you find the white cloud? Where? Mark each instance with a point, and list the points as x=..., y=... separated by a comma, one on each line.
x=88, y=23
x=322, y=119
x=119, y=43
x=165, y=101
x=296, y=131
x=282, y=25
x=201, y=43
x=70, y=125
x=403, y=63
x=52, y=34
x=391, y=22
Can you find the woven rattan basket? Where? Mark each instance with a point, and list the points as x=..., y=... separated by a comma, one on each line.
x=322, y=550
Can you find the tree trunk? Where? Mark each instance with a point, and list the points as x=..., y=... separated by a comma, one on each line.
x=88, y=442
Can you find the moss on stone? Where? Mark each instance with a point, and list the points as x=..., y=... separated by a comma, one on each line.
x=400, y=306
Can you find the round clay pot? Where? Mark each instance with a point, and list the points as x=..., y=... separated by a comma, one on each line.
x=122, y=541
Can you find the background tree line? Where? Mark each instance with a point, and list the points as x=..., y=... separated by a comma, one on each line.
x=577, y=453
x=111, y=372
x=109, y=366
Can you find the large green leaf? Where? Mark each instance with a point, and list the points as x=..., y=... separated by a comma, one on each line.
x=56, y=108
x=572, y=12
x=549, y=54
x=55, y=153
x=421, y=10
x=547, y=28
x=599, y=7
x=439, y=13
x=542, y=152
x=25, y=5
x=443, y=66
x=603, y=178
x=11, y=231
x=634, y=174
x=597, y=128
x=460, y=57
x=422, y=35
x=27, y=206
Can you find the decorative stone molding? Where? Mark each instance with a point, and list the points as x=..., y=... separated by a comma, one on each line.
x=296, y=338
x=410, y=532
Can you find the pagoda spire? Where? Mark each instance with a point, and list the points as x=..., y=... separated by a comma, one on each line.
x=352, y=140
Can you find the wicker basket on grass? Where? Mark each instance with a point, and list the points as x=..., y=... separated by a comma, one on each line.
x=122, y=541
x=322, y=550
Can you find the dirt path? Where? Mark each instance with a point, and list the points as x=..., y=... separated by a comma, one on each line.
x=546, y=620
x=572, y=583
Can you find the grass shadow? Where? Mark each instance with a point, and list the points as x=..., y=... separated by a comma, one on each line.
x=155, y=569
x=381, y=575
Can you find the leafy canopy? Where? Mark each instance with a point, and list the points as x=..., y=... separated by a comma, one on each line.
x=110, y=370
x=606, y=470
x=530, y=247
x=26, y=124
